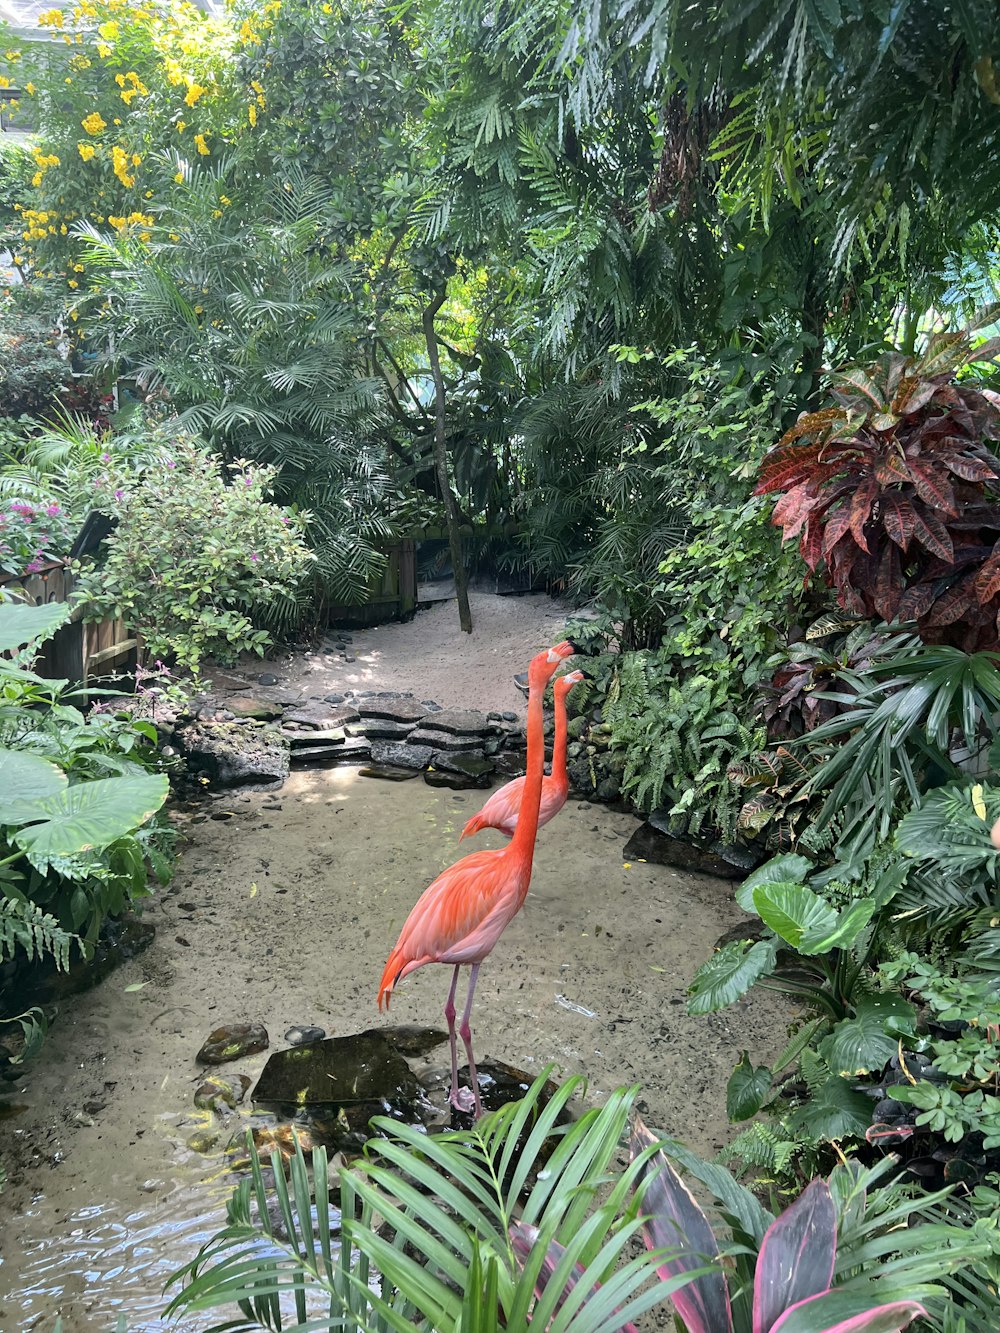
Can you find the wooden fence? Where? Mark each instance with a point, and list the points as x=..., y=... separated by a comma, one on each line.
x=78, y=652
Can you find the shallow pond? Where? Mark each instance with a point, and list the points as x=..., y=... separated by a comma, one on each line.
x=283, y=910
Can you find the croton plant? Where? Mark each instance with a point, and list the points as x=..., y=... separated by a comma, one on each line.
x=895, y=489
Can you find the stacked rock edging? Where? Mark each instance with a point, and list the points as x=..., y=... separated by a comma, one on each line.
x=251, y=734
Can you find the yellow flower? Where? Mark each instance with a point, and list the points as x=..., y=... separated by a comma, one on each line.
x=216, y=212
x=193, y=93
x=225, y=200
x=63, y=230
x=86, y=151
x=94, y=123
x=4, y=82
x=174, y=236
x=179, y=177
x=253, y=114
x=52, y=18
x=72, y=283
x=120, y=80
x=30, y=89
x=136, y=159
x=103, y=50
x=36, y=179
x=77, y=268
x=109, y=31
x=201, y=145
x=181, y=126
x=199, y=310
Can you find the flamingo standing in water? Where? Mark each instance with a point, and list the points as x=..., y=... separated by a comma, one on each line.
x=459, y=918
x=501, y=810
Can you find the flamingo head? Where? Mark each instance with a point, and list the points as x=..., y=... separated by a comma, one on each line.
x=565, y=683
x=543, y=665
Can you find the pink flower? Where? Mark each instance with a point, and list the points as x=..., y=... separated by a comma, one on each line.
x=105, y=458
x=248, y=479
x=254, y=556
x=285, y=519
x=33, y=566
x=52, y=510
x=119, y=494
x=171, y=463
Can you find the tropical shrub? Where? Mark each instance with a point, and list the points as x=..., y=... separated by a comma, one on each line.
x=78, y=834
x=519, y=1220
x=31, y=534
x=195, y=557
x=895, y=490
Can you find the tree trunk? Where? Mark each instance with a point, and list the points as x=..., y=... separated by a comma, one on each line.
x=441, y=464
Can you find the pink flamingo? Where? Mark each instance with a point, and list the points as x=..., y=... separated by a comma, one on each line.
x=501, y=810
x=459, y=918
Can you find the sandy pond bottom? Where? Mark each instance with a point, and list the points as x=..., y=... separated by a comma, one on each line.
x=284, y=914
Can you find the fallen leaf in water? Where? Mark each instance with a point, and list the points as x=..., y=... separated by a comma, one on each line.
x=656, y=969
x=136, y=985
x=253, y=889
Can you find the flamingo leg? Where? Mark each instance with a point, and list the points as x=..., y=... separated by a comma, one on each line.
x=466, y=1032
x=460, y=1098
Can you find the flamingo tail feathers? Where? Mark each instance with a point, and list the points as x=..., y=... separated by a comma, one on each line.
x=390, y=976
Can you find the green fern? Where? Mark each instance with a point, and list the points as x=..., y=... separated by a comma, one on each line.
x=23, y=925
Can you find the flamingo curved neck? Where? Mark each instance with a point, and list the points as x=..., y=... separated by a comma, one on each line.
x=522, y=844
x=559, y=741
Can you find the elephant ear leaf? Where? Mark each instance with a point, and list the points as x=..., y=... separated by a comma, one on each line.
x=848, y=1312
x=796, y=1256
x=676, y=1223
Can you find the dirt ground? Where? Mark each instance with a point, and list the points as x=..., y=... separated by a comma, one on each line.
x=282, y=911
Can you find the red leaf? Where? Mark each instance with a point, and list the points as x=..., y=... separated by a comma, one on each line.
x=891, y=469
x=813, y=423
x=970, y=469
x=916, y=601
x=932, y=534
x=811, y=545
x=889, y=583
x=792, y=510
x=953, y=605
x=796, y=1256
x=933, y=488
x=871, y=394
x=861, y=508
x=787, y=466
x=987, y=581
x=897, y=515
x=913, y=394
x=836, y=525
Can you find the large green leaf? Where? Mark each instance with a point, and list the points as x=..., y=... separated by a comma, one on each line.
x=92, y=815
x=26, y=779
x=789, y=869
x=844, y=931
x=729, y=974
x=868, y=1041
x=21, y=624
x=792, y=910
x=835, y=1111
x=746, y=1089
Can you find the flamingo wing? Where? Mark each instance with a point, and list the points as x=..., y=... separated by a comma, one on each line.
x=458, y=918
x=500, y=811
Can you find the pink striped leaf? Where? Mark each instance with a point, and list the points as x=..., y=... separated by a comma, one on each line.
x=677, y=1223
x=796, y=1256
x=848, y=1312
x=523, y=1239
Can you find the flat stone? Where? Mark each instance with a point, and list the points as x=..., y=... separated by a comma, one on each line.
x=317, y=715
x=462, y=721
x=231, y=1042
x=223, y=683
x=381, y=729
x=392, y=710
x=335, y=1072
x=298, y=739
x=280, y=695
x=260, y=710
x=445, y=740
x=351, y=751
x=267, y=678
x=403, y=756
x=389, y=772
x=662, y=848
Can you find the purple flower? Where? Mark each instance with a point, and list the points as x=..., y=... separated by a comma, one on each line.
x=33, y=566
x=52, y=510
x=285, y=519
x=171, y=463
x=248, y=479
x=105, y=458
x=119, y=494
x=254, y=556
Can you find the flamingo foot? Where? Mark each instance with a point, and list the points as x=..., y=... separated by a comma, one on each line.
x=464, y=1100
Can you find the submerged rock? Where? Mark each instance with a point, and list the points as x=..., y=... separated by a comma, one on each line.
x=337, y=1071
x=221, y=1090
x=460, y=772
x=389, y=772
x=402, y=709
x=354, y=750
x=231, y=1042
x=298, y=1036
